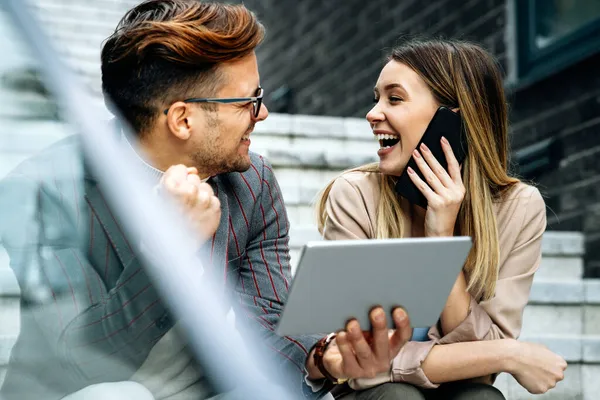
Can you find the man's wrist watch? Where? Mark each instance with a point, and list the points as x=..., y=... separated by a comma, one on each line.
x=320, y=349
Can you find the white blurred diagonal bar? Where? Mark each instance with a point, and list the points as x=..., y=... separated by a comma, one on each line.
x=214, y=342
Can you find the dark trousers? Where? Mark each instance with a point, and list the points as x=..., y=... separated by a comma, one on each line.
x=450, y=391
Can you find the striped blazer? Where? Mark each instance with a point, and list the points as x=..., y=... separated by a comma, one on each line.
x=101, y=315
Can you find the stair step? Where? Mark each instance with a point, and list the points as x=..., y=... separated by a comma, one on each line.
x=9, y=161
x=575, y=319
x=316, y=127
x=317, y=158
x=557, y=244
x=270, y=146
x=9, y=315
x=30, y=136
x=563, y=243
x=8, y=283
x=68, y=23
x=6, y=344
x=301, y=195
x=580, y=383
x=300, y=235
x=303, y=177
x=565, y=291
x=26, y=105
x=81, y=11
x=559, y=266
x=574, y=348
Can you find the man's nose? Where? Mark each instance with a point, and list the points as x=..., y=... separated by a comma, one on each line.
x=263, y=113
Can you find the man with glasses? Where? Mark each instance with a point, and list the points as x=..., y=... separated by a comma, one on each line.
x=183, y=74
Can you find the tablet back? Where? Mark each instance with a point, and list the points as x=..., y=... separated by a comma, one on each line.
x=338, y=280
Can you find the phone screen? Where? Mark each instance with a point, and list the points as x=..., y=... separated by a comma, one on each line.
x=444, y=123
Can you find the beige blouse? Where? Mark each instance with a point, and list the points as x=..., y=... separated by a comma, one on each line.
x=521, y=221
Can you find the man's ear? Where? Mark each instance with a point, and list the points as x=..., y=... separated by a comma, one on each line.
x=179, y=120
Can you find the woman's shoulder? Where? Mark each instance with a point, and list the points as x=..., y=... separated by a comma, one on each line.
x=519, y=205
x=360, y=181
x=520, y=194
x=356, y=190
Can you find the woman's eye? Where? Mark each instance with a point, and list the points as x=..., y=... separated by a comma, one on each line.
x=394, y=99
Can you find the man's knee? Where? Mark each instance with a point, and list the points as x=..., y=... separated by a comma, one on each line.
x=476, y=391
x=392, y=391
x=114, y=390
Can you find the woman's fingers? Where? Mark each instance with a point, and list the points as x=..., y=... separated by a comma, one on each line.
x=453, y=166
x=435, y=166
x=429, y=194
x=430, y=177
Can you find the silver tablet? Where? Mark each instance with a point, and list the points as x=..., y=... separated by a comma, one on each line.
x=338, y=280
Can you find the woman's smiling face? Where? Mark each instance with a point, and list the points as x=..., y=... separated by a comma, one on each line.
x=404, y=106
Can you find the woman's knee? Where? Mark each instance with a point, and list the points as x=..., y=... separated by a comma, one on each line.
x=391, y=391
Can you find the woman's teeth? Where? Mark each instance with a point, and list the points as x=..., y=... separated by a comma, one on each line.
x=386, y=141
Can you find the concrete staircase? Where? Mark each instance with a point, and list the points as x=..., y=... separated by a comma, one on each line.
x=78, y=29
x=564, y=314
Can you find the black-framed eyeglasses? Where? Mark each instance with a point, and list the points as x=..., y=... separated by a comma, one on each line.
x=256, y=101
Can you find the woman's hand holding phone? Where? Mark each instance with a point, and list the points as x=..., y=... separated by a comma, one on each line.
x=444, y=190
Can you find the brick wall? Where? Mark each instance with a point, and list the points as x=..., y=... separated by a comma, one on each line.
x=566, y=107
x=327, y=55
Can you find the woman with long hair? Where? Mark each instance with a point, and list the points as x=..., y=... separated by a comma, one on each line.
x=477, y=330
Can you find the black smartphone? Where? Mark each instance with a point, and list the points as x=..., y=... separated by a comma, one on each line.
x=448, y=124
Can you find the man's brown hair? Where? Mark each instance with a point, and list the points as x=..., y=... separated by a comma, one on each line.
x=168, y=50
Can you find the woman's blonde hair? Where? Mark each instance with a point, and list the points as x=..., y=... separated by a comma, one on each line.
x=464, y=75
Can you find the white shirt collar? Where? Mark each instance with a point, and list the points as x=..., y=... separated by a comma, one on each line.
x=155, y=172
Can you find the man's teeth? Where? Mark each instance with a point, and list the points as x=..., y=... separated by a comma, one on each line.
x=246, y=137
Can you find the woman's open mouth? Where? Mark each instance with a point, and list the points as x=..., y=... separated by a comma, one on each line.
x=387, y=141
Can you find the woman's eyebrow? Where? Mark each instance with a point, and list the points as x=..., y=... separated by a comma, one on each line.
x=390, y=86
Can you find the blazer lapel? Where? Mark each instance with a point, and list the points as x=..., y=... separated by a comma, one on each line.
x=215, y=251
x=214, y=254
x=112, y=229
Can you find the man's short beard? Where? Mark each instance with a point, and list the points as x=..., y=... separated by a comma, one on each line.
x=209, y=161
x=212, y=166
